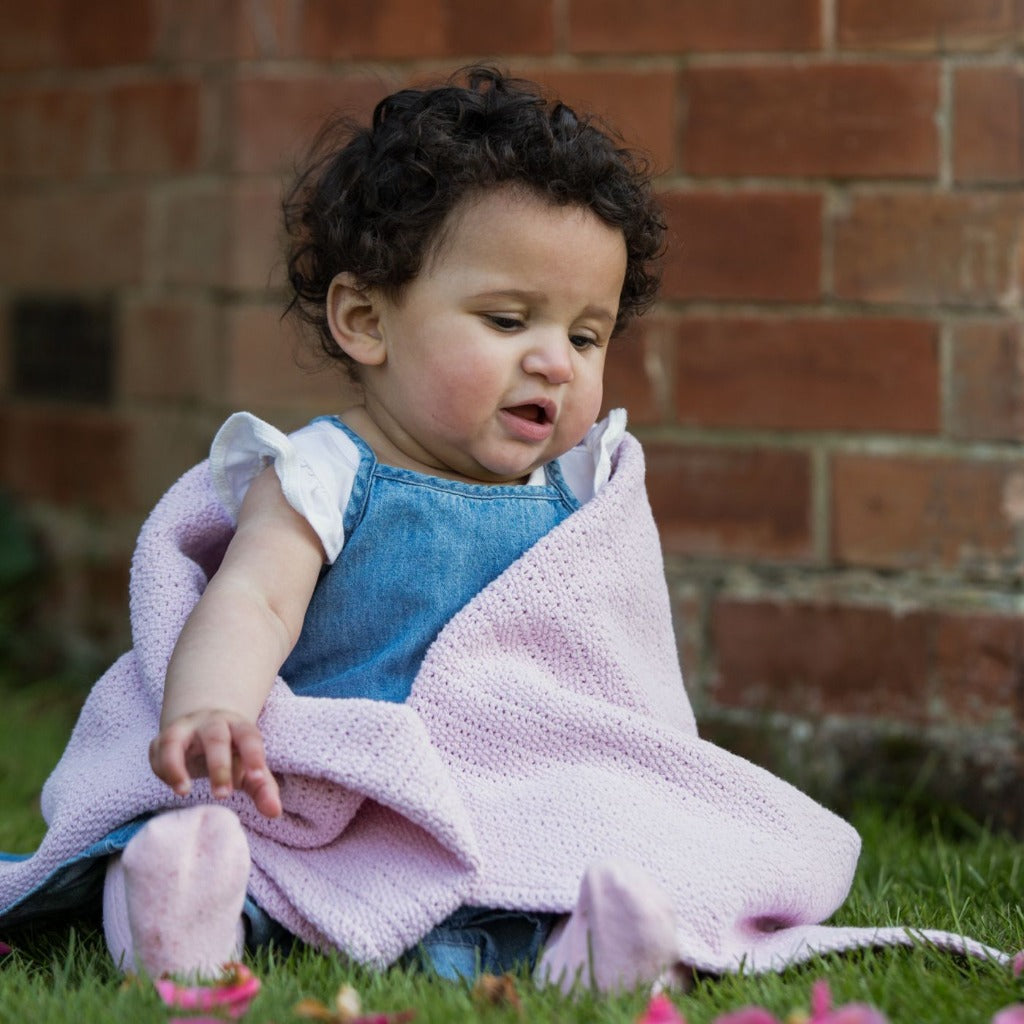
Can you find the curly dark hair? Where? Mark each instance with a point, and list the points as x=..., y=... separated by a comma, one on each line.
x=373, y=200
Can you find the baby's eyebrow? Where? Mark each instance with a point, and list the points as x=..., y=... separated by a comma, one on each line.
x=528, y=297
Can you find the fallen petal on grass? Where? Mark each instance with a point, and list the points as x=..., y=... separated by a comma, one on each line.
x=497, y=990
x=1010, y=1015
x=230, y=994
x=661, y=1011
x=1018, y=964
x=313, y=1009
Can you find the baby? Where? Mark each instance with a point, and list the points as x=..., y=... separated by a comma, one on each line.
x=468, y=258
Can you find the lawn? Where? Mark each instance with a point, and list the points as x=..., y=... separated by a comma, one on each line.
x=949, y=873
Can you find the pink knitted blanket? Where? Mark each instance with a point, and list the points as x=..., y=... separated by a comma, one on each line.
x=548, y=728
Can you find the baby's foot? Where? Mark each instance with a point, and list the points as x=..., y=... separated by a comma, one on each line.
x=184, y=880
x=620, y=934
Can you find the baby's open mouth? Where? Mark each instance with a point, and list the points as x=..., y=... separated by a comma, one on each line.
x=531, y=411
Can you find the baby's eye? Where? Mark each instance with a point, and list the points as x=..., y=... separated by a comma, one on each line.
x=504, y=321
x=582, y=341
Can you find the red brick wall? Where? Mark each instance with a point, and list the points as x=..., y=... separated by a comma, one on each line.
x=831, y=390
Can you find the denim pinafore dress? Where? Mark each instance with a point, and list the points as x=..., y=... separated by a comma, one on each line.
x=417, y=549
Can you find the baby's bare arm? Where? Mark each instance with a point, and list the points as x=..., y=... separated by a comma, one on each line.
x=231, y=648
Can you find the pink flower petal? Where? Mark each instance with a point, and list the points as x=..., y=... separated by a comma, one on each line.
x=1018, y=964
x=1010, y=1015
x=661, y=1011
x=748, y=1015
x=821, y=999
x=232, y=997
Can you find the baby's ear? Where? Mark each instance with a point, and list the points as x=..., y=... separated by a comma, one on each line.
x=354, y=320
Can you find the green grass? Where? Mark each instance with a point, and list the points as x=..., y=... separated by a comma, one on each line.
x=951, y=874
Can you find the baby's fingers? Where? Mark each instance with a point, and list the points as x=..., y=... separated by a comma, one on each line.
x=214, y=739
x=252, y=774
x=167, y=759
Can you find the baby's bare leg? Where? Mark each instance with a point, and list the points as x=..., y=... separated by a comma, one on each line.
x=172, y=902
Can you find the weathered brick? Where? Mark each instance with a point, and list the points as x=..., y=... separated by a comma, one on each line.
x=638, y=372
x=743, y=245
x=197, y=30
x=165, y=442
x=988, y=138
x=640, y=105
x=155, y=127
x=807, y=374
x=840, y=120
x=735, y=502
x=373, y=29
x=678, y=26
x=193, y=243
x=928, y=25
x=48, y=133
x=267, y=365
x=254, y=229
x=471, y=28
x=929, y=248
x=909, y=512
x=814, y=659
x=72, y=457
x=987, y=382
x=169, y=350
x=95, y=240
x=276, y=119
x=980, y=668
x=101, y=33
x=30, y=35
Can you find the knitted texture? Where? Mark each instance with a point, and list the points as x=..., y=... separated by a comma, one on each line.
x=548, y=729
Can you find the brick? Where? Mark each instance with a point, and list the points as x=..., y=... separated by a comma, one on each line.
x=165, y=443
x=30, y=35
x=987, y=382
x=907, y=512
x=276, y=119
x=853, y=120
x=48, y=133
x=638, y=371
x=980, y=668
x=373, y=29
x=679, y=26
x=72, y=239
x=848, y=374
x=928, y=25
x=988, y=138
x=268, y=365
x=155, y=127
x=197, y=30
x=929, y=248
x=743, y=245
x=814, y=659
x=72, y=457
x=169, y=351
x=254, y=259
x=525, y=27
x=744, y=503
x=642, y=106
x=103, y=33
x=193, y=244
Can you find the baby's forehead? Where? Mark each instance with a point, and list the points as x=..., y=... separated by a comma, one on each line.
x=504, y=208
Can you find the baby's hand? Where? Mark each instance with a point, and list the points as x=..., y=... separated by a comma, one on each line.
x=223, y=745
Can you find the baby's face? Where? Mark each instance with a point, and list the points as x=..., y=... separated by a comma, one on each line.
x=495, y=353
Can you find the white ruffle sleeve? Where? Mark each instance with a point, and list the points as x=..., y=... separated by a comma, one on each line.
x=316, y=467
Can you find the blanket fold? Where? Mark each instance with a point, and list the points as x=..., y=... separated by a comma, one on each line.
x=548, y=728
